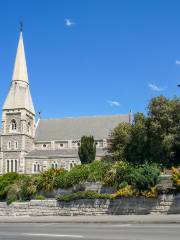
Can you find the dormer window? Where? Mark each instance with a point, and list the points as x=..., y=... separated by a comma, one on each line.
x=13, y=125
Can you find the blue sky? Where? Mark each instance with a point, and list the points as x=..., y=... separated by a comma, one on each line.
x=93, y=57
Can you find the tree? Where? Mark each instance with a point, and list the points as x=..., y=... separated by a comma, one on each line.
x=136, y=148
x=152, y=138
x=163, y=130
x=87, y=149
x=119, y=139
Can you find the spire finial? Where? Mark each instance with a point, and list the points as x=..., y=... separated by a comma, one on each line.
x=21, y=26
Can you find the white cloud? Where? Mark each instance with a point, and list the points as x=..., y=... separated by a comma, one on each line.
x=177, y=62
x=69, y=22
x=154, y=87
x=113, y=103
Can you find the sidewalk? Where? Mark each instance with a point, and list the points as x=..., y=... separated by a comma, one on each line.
x=120, y=219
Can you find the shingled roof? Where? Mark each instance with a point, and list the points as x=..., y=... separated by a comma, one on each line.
x=74, y=128
x=59, y=153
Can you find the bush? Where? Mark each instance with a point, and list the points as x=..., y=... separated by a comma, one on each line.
x=152, y=193
x=126, y=191
x=176, y=178
x=39, y=197
x=76, y=175
x=92, y=172
x=6, y=180
x=146, y=177
x=141, y=178
x=47, y=181
x=83, y=195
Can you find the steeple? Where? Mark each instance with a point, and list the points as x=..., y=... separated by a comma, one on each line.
x=19, y=96
x=20, y=68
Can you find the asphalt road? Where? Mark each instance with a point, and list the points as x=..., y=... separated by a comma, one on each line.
x=71, y=231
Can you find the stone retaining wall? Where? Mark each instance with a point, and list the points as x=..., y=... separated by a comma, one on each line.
x=165, y=204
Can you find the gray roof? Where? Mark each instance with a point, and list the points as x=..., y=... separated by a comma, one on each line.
x=74, y=128
x=59, y=153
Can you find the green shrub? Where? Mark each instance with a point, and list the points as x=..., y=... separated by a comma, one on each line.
x=39, y=197
x=6, y=180
x=83, y=195
x=76, y=175
x=47, y=181
x=146, y=177
x=98, y=170
x=13, y=192
x=142, y=177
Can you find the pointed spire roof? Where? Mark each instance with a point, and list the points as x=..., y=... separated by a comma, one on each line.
x=20, y=68
x=19, y=96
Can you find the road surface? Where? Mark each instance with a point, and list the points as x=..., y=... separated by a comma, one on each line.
x=89, y=231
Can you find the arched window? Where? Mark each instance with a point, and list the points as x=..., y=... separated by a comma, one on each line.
x=12, y=166
x=7, y=166
x=38, y=168
x=16, y=167
x=9, y=145
x=13, y=125
x=54, y=165
x=34, y=167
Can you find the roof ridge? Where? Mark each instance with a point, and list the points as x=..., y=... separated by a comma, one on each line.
x=90, y=116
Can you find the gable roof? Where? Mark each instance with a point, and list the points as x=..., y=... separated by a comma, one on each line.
x=76, y=127
x=66, y=153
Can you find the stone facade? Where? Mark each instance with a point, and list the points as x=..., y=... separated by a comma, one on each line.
x=164, y=204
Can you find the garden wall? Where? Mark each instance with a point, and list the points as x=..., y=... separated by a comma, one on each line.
x=165, y=204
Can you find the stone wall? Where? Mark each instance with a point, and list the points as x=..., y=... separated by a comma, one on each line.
x=164, y=204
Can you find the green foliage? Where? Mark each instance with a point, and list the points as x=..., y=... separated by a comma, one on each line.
x=28, y=186
x=91, y=172
x=39, y=197
x=87, y=149
x=119, y=139
x=83, y=195
x=152, y=138
x=141, y=178
x=5, y=181
x=176, y=178
x=47, y=181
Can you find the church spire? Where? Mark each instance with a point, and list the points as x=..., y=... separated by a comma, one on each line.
x=20, y=68
x=19, y=96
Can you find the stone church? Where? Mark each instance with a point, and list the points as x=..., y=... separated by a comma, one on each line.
x=30, y=147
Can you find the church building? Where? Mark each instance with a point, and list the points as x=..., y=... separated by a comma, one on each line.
x=29, y=147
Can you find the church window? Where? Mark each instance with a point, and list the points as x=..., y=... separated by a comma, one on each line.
x=7, y=166
x=36, y=167
x=12, y=165
x=13, y=125
x=61, y=145
x=54, y=165
x=16, y=166
x=16, y=145
x=44, y=146
x=9, y=145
